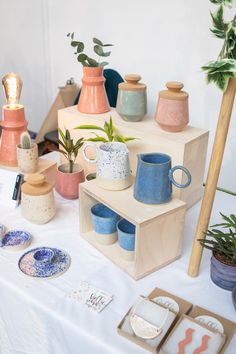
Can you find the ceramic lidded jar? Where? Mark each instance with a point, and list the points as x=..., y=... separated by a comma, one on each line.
x=37, y=199
x=131, y=102
x=172, y=108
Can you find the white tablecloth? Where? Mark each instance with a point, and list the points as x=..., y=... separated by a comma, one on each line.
x=38, y=317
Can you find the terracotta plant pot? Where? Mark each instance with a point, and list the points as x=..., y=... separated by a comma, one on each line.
x=67, y=184
x=27, y=158
x=223, y=275
x=93, y=97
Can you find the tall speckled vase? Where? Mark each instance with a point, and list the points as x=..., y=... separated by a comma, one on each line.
x=37, y=199
x=131, y=102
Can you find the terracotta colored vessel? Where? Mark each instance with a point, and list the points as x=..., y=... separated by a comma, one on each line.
x=13, y=125
x=172, y=108
x=93, y=97
x=67, y=184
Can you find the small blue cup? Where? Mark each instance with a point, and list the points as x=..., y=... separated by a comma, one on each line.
x=126, y=235
x=104, y=220
x=44, y=256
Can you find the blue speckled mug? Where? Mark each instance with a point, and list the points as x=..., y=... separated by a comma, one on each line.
x=126, y=238
x=154, y=178
x=104, y=222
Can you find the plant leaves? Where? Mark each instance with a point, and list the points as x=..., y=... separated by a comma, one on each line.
x=98, y=50
x=228, y=3
x=68, y=35
x=74, y=43
x=80, y=47
x=82, y=57
x=98, y=139
x=92, y=62
x=97, y=41
x=94, y=127
x=108, y=45
x=218, y=19
x=103, y=63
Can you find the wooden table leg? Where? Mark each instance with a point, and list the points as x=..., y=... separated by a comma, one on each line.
x=213, y=175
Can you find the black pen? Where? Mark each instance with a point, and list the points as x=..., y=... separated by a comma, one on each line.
x=16, y=192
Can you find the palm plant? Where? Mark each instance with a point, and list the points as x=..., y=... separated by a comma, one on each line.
x=110, y=133
x=224, y=68
x=220, y=242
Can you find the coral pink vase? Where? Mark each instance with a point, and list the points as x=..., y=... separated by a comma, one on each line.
x=93, y=97
x=67, y=184
x=13, y=124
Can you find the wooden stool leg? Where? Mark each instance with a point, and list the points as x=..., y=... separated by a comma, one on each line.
x=213, y=175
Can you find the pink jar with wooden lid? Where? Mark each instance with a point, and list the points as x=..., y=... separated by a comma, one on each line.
x=172, y=112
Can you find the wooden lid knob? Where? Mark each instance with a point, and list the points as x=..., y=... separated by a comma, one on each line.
x=132, y=78
x=174, y=86
x=35, y=179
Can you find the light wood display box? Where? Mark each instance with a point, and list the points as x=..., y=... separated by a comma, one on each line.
x=159, y=228
x=186, y=148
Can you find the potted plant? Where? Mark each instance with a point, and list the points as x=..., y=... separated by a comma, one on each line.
x=69, y=175
x=93, y=97
x=223, y=246
x=27, y=154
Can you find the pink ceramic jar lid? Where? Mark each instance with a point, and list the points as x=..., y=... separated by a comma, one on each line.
x=174, y=91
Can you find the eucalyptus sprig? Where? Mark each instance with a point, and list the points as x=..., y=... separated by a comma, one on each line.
x=98, y=48
x=110, y=133
x=220, y=242
x=221, y=70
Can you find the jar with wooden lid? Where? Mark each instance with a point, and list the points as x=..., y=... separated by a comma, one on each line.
x=172, y=108
x=131, y=102
x=37, y=199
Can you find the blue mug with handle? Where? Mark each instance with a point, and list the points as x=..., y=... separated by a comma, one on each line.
x=154, y=178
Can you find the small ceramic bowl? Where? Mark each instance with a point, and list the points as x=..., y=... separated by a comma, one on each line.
x=104, y=221
x=15, y=240
x=126, y=239
x=44, y=256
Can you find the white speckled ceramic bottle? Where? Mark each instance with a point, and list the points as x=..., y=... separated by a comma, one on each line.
x=37, y=199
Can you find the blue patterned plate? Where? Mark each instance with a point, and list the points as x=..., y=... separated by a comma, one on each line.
x=15, y=240
x=44, y=262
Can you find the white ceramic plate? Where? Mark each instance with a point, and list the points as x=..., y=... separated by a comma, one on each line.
x=167, y=302
x=211, y=322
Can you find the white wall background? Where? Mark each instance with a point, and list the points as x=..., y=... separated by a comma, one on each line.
x=161, y=40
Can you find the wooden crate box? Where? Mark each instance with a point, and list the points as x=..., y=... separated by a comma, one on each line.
x=186, y=148
x=159, y=228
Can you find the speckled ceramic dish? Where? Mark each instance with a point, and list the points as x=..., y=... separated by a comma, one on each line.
x=16, y=240
x=44, y=262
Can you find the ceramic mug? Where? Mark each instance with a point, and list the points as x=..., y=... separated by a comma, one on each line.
x=126, y=239
x=113, y=167
x=104, y=222
x=154, y=178
x=44, y=256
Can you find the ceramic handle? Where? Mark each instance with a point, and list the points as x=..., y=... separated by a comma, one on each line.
x=93, y=146
x=176, y=184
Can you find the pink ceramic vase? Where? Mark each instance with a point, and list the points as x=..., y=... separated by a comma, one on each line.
x=13, y=124
x=67, y=184
x=93, y=97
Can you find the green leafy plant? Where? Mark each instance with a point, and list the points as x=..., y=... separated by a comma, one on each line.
x=220, y=242
x=83, y=58
x=221, y=70
x=110, y=133
x=70, y=149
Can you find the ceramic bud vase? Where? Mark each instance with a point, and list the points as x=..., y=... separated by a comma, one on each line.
x=37, y=199
x=93, y=98
x=67, y=184
x=27, y=158
x=132, y=99
x=172, y=108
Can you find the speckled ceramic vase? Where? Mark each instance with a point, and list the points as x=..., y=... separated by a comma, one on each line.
x=113, y=167
x=172, y=108
x=27, y=158
x=37, y=199
x=223, y=275
x=131, y=102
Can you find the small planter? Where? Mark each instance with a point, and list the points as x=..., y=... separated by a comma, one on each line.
x=27, y=158
x=67, y=184
x=223, y=275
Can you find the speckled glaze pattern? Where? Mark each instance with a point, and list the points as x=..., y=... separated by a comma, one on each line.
x=58, y=265
x=131, y=105
x=27, y=159
x=172, y=115
x=16, y=240
x=38, y=209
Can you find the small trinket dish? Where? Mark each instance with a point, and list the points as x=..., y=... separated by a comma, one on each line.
x=44, y=262
x=16, y=240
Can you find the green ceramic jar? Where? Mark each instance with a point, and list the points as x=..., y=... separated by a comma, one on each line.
x=131, y=102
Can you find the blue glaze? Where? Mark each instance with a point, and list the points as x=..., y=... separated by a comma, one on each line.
x=126, y=235
x=59, y=263
x=44, y=256
x=104, y=220
x=223, y=275
x=15, y=238
x=154, y=178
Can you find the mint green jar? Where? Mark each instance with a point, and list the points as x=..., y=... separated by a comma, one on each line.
x=131, y=102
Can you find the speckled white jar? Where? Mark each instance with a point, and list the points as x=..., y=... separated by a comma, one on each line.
x=37, y=200
x=27, y=159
